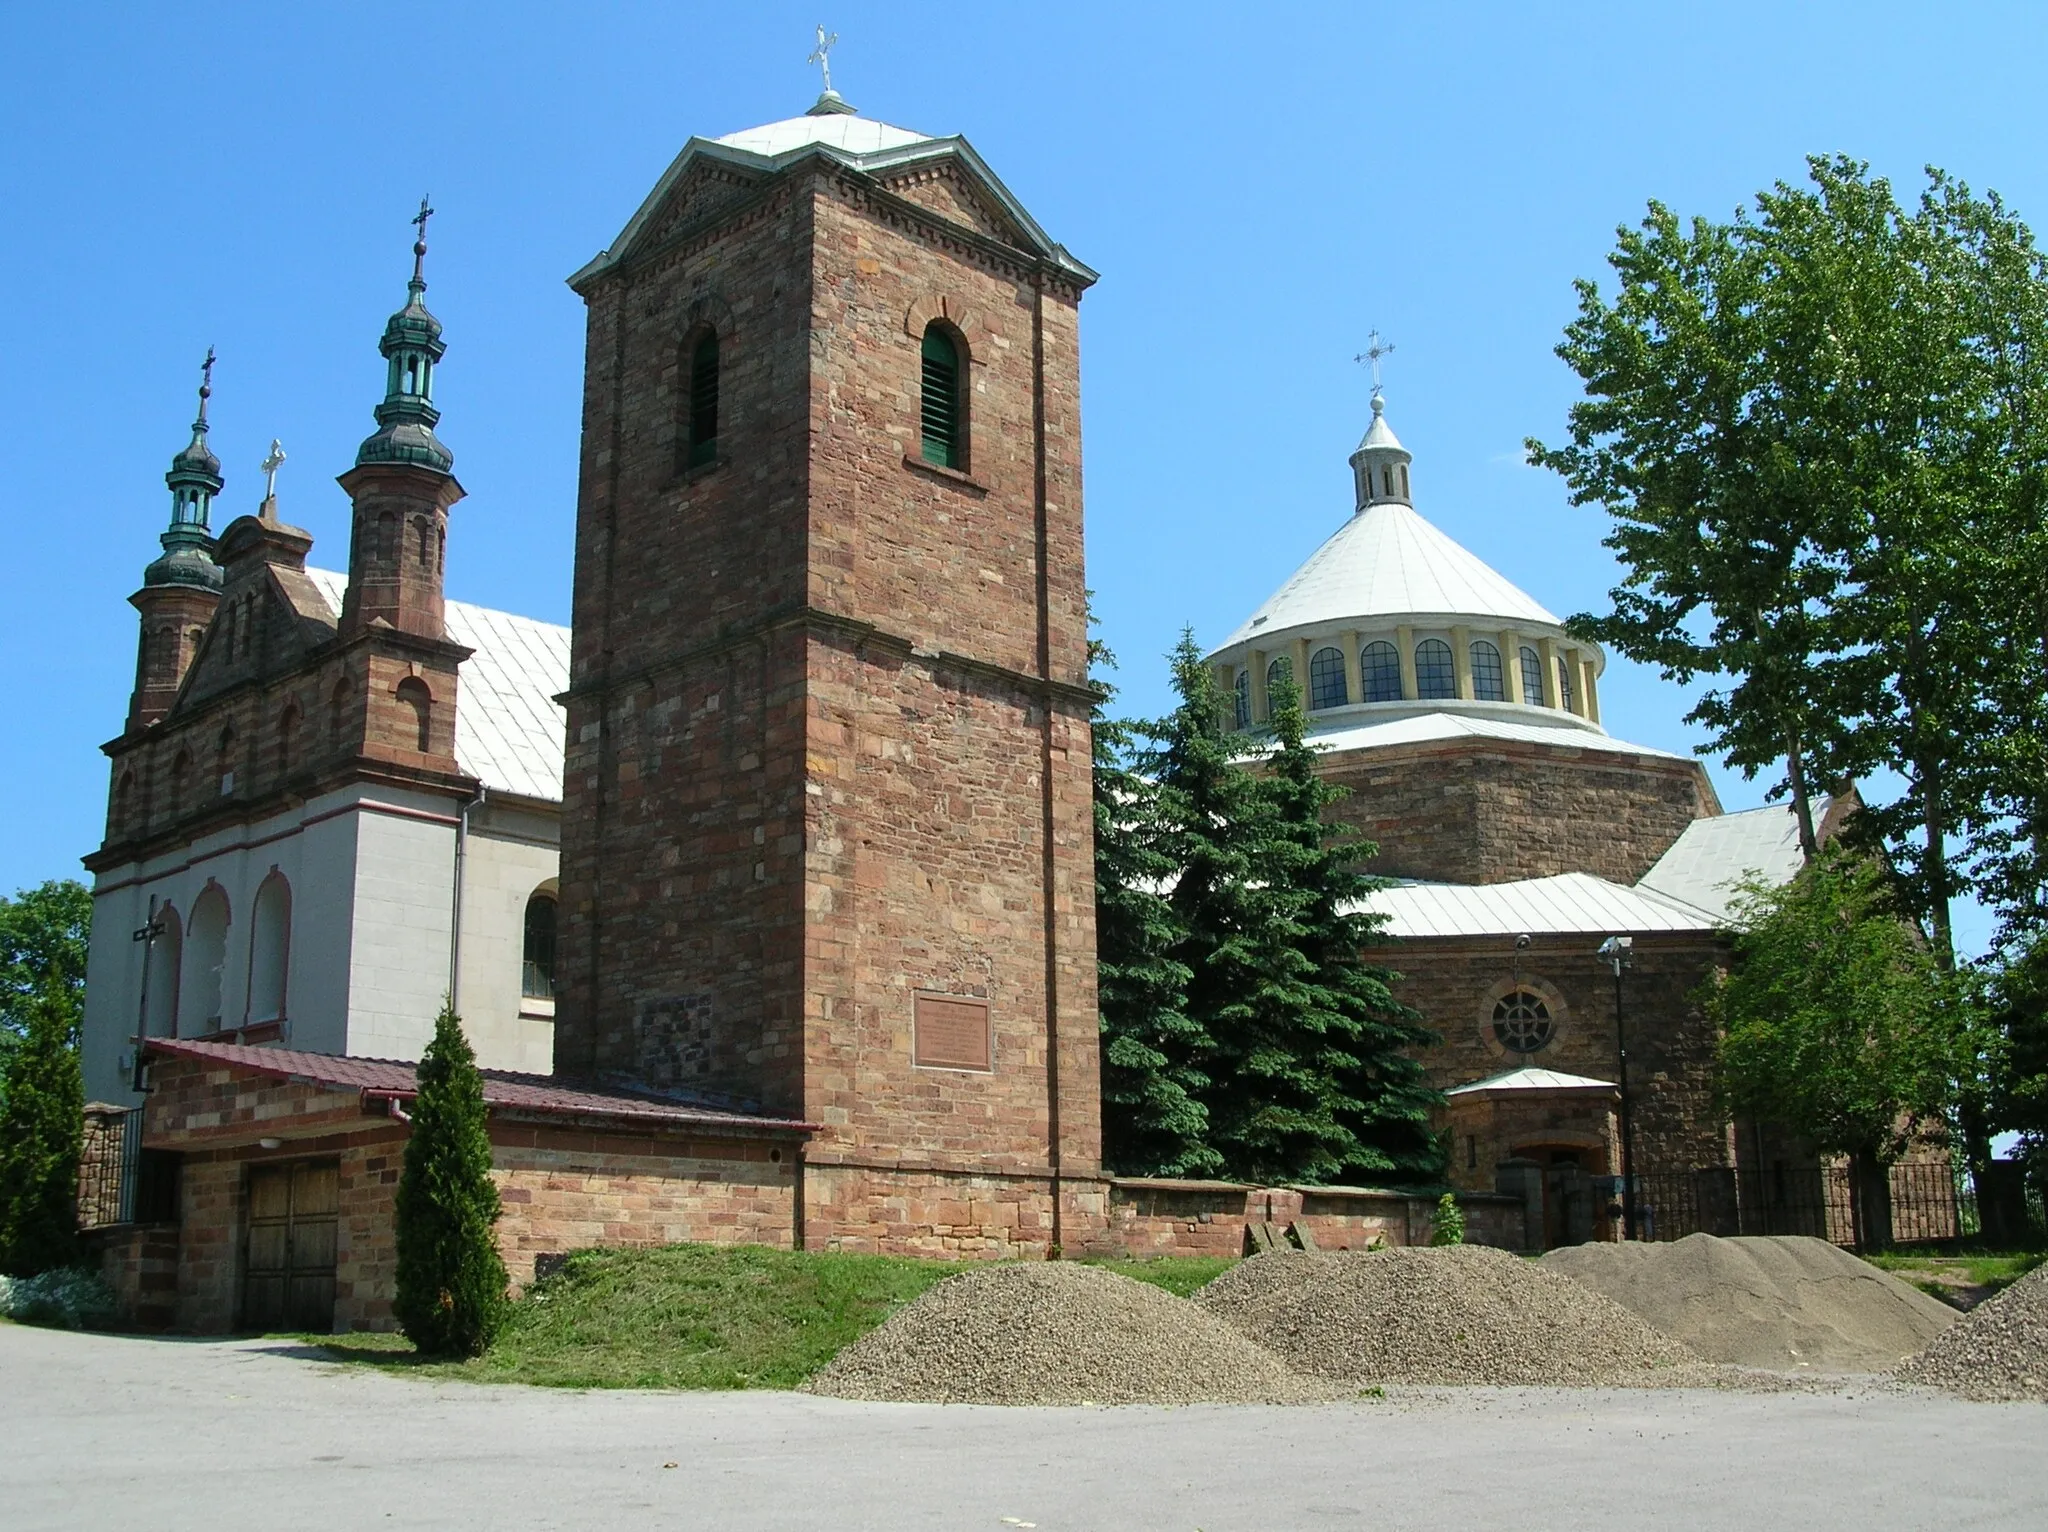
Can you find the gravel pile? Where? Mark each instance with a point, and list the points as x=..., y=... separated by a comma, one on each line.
x=1780, y=1301
x=1999, y=1350
x=1058, y=1333
x=1459, y=1314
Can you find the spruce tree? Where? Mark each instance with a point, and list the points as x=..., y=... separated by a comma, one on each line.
x=1361, y=1039
x=1153, y=1121
x=41, y=1124
x=451, y=1280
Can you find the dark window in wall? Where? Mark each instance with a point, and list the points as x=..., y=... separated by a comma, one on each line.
x=1488, y=684
x=1281, y=669
x=1564, y=683
x=337, y=711
x=1521, y=1022
x=412, y=691
x=700, y=423
x=287, y=738
x=943, y=412
x=385, y=547
x=181, y=781
x=1242, y=694
x=225, y=764
x=537, y=968
x=425, y=529
x=1532, y=677
x=1326, y=686
x=1381, y=667
x=1436, y=673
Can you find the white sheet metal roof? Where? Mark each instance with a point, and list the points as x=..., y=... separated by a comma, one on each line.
x=1704, y=864
x=1573, y=903
x=509, y=730
x=1419, y=728
x=1531, y=1078
x=1387, y=562
x=838, y=130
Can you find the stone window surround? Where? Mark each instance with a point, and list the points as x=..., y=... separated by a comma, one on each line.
x=1553, y=1001
x=1556, y=652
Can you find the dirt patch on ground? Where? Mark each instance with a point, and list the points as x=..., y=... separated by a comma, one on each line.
x=1462, y=1314
x=1779, y=1301
x=1999, y=1350
x=1058, y=1333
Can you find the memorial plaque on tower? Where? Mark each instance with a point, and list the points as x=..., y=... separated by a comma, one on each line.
x=951, y=1032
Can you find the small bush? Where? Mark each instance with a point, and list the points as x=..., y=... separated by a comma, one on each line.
x=1448, y=1228
x=69, y=1298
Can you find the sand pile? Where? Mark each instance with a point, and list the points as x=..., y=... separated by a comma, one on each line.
x=1780, y=1301
x=1058, y=1333
x=1999, y=1350
x=1461, y=1314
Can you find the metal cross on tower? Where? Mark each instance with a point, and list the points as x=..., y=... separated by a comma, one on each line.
x=152, y=927
x=1370, y=357
x=419, y=219
x=270, y=466
x=822, y=55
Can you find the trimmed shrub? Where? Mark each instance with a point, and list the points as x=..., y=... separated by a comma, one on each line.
x=451, y=1281
x=69, y=1298
x=1448, y=1228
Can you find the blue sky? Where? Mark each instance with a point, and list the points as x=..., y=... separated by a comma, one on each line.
x=1258, y=186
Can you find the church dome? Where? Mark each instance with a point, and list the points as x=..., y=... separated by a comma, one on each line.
x=1392, y=619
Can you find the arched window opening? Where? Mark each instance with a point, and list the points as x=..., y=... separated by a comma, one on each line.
x=1380, y=664
x=700, y=403
x=412, y=691
x=270, y=945
x=224, y=760
x=160, y=1008
x=1532, y=677
x=1404, y=483
x=1279, y=672
x=1488, y=683
x=1564, y=683
x=1522, y=1022
x=386, y=549
x=943, y=414
x=124, y=798
x=181, y=781
x=537, y=958
x=205, y=959
x=1326, y=686
x=425, y=529
x=288, y=739
x=1436, y=673
x=1242, y=696
x=337, y=711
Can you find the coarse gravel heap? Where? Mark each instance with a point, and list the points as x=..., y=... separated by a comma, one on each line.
x=1461, y=1314
x=1782, y=1301
x=1058, y=1333
x=1999, y=1350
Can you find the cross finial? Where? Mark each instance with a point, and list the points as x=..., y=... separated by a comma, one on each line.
x=822, y=55
x=270, y=466
x=419, y=245
x=205, y=387
x=1377, y=347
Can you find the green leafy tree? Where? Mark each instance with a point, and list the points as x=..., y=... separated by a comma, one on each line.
x=1448, y=1227
x=1153, y=1120
x=451, y=1280
x=1836, y=1021
x=43, y=934
x=1359, y=1039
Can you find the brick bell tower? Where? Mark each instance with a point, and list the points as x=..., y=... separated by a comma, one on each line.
x=181, y=589
x=827, y=831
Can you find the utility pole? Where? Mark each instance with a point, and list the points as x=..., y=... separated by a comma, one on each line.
x=1616, y=951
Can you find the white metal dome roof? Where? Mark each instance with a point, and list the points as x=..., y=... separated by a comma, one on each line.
x=837, y=130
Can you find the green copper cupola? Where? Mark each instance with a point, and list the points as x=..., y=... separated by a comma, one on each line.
x=412, y=346
x=194, y=479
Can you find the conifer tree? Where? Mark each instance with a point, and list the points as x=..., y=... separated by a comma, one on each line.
x=1153, y=1121
x=1363, y=1038
x=41, y=1123
x=451, y=1280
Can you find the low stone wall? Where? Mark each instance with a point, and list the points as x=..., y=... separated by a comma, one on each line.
x=140, y=1263
x=1163, y=1217
x=910, y=1210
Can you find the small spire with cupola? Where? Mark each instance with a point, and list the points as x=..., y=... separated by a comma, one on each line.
x=403, y=482
x=1380, y=464
x=181, y=587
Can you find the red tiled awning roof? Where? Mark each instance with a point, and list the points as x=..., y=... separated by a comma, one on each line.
x=393, y=1080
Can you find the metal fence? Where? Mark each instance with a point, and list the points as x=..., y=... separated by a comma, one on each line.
x=119, y=1181
x=1928, y=1203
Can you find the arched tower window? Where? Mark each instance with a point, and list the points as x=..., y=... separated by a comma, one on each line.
x=270, y=945
x=124, y=800
x=1326, y=686
x=1279, y=672
x=1241, y=695
x=337, y=711
x=224, y=761
x=943, y=406
x=385, y=548
x=1488, y=684
x=1380, y=665
x=181, y=781
x=700, y=402
x=161, y=1017
x=412, y=691
x=537, y=953
x=288, y=738
x=205, y=959
x=425, y=529
x=1532, y=677
x=1436, y=673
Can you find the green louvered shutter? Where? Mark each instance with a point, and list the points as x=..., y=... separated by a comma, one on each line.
x=944, y=434
x=703, y=403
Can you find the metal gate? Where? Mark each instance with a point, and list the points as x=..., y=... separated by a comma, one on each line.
x=288, y=1281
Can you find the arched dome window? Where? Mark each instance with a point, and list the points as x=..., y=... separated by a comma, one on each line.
x=205, y=958
x=1436, y=674
x=270, y=945
x=1242, y=697
x=1532, y=677
x=537, y=951
x=1326, y=686
x=1564, y=683
x=1380, y=663
x=1280, y=671
x=1488, y=685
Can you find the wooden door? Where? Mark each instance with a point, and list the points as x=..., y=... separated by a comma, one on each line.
x=288, y=1281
